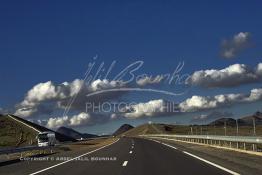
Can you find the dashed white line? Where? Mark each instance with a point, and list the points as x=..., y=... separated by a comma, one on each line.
x=130, y=152
x=204, y=160
x=164, y=144
x=211, y=163
x=72, y=159
x=169, y=145
x=125, y=163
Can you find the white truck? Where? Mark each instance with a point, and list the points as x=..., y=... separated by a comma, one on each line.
x=46, y=139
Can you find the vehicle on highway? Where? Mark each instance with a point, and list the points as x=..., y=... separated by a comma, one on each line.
x=46, y=139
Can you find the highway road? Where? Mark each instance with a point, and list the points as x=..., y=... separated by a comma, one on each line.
x=127, y=156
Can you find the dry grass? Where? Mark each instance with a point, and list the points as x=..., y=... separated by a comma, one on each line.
x=92, y=143
x=15, y=134
x=77, y=146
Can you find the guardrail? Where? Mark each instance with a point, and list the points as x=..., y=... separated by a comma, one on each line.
x=239, y=142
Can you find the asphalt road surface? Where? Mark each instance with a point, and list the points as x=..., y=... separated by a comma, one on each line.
x=127, y=156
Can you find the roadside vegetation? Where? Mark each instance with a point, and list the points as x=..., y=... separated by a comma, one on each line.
x=14, y=134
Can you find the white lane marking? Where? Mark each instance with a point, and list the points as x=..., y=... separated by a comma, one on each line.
x=206, y=161
x=156, y=141
x=168, y=139
x=72, y=159
x=169, y=145
x=125, y=163
x=130, y=152
x=165, y=144
x=211, y=163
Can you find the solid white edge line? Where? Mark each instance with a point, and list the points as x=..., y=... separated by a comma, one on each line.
x=155, y=141
x=199, y=158
x=211, y=163
x=72, y=158
x=125, y=163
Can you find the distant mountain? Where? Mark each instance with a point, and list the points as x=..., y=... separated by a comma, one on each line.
x=74, y=134
x=248, y=120
x=122, y=129
x=60, y=137
x=222, y=121
x=157, y=128
x=244, y=121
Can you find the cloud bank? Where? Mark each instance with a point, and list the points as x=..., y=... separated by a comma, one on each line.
x=233, y=75
x=48, y=98
x=196, y=103
x=76, y=120
x=40, y=95
x=150, y=109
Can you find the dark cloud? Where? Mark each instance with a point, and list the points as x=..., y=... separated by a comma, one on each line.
x=232, y=47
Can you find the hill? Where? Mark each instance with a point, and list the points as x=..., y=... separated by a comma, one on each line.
x=156, y=129
x=122, y=129
x=249, y=119
x=16, y=132
x=222, y=121
x=74, y=134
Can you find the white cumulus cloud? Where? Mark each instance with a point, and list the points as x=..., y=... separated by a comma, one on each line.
x=196, y=103
x=59, y=94
x=151, y=108
x=80, y=119
x=233, y=75
x=57, y=122
x=75, y=120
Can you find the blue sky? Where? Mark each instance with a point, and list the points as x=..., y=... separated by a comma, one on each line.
x=55, y=40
